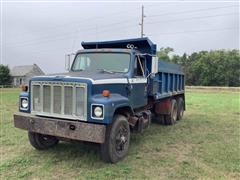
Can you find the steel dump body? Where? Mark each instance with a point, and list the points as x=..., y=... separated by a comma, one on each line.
x=168, y=81
x=143, y=45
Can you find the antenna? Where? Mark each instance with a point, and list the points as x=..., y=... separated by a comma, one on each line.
x=142, y=21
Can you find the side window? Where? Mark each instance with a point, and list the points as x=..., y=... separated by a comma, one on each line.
x=139, y=66
x=82, y=63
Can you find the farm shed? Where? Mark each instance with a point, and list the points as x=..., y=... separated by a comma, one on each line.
x=22, y=74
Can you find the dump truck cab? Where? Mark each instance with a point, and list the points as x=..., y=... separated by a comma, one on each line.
x=112, y=88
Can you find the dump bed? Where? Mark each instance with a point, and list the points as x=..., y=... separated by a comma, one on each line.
x=143, y=45
x=168, y=81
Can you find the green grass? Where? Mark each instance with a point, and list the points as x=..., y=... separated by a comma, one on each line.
x=204, y=145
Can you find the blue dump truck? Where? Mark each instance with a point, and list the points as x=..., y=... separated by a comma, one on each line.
x=112, y=89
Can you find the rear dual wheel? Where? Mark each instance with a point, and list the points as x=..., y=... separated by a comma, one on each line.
x=180, y=104
x=171, y=118
x=176, y=112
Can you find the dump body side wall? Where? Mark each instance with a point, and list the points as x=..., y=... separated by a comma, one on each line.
x=169, y=81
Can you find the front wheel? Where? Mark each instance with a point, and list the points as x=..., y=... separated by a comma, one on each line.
x=117, y=140
x=41, y=141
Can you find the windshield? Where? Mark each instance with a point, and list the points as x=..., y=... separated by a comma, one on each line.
x=109, y=62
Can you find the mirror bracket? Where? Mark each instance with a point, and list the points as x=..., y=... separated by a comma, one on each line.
x=68, y=61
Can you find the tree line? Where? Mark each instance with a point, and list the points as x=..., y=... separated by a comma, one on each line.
x=204, y=68
x=5, y=77
x=207, y=68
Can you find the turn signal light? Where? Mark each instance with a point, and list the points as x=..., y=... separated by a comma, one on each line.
x=24, y=88
x=106, y=93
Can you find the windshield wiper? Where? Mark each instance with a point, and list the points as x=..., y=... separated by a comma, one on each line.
x=107, y=71
x=78, y=70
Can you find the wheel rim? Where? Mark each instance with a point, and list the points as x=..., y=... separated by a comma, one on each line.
x=121, y=139
x=181, y=112
x=174, y=113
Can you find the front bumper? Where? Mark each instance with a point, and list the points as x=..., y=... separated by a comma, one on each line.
x=61, y=128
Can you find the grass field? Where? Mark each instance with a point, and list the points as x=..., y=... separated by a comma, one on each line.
x=204, y=145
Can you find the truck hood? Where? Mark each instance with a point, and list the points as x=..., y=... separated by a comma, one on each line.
x=92, y=75
x=84, y=75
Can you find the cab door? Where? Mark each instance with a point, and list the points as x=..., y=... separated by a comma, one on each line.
x=138, y=96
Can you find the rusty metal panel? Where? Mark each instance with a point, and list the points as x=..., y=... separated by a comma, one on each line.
x=163, y=107
x=61, y=128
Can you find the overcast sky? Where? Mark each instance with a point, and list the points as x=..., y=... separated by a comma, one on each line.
x=43, y=33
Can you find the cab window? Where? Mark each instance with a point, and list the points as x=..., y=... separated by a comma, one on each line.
x=139, y=66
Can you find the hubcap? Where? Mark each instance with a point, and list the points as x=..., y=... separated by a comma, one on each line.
x=121, y=139
x=181, y=112
x=47, y=140
x=175, y=114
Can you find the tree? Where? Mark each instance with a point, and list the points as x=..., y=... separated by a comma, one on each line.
x=5, y=78
x=163, y=53
x=207, y=68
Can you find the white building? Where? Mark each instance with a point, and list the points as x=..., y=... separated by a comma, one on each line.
x=22, y=74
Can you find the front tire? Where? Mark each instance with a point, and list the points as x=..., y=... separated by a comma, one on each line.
x=117, y=140
x=41, y=141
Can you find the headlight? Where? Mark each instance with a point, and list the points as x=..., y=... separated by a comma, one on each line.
x=24, y=103
x=98, y=111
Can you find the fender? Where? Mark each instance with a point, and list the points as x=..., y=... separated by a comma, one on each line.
x=111, y=103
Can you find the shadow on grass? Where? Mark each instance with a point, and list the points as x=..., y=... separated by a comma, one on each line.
x=79, y=152
x=73, y=152
x=84, y=154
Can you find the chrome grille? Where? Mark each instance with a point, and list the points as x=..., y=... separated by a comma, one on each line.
x=68, y=100
x=59, y=99
x=46, y=98
x=79, y=101
x=36, y=98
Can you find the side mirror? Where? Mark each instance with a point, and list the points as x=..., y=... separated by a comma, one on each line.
x=68, y=61
x=154, y=65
